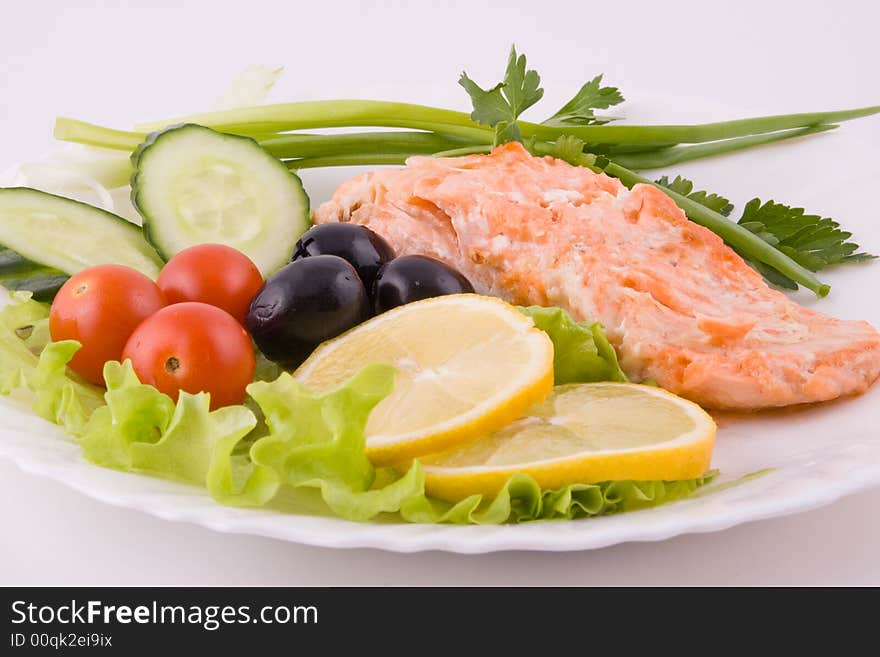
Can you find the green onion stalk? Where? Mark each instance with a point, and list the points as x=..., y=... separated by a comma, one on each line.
x=423, y=130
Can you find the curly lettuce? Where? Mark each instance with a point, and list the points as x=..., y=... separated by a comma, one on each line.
x=311, y=439
x=290, y=436
x=141, y=429
x=581, y=352
x=522, y=499
x=55, y=395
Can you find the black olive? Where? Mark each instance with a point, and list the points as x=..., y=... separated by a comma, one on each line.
x=365, y=250
x=303, y=304
x=412, y=278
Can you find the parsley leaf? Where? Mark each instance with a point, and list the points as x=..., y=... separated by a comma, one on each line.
x=579, y=110
x=568, y=148
x=812, y=241
x=685, y=187
x=500, y=106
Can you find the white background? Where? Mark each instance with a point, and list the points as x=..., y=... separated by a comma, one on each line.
x=118, y=62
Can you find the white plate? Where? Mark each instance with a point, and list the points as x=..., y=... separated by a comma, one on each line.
x=819, y=454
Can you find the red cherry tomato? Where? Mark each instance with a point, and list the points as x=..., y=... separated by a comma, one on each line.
x=196, y=348
x=101, y=307
x=214, y=274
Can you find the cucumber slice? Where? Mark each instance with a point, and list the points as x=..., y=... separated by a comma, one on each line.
x=66, y=235
x=194, y=185
x=14, y=263
x=19, y=273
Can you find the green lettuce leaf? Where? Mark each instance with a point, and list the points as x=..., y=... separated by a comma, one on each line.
x=54, y=393
x=314, y=440
x=297, y=438
x=364, y=505
x=17, y=320
x=186, y=448
x=314, y=436
x=142, y=429
x=582, y=353
x=56, y=397
x=132, y=413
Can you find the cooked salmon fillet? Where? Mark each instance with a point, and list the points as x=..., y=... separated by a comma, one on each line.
x=679, y=306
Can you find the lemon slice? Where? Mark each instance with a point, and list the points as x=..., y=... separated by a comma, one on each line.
x=583, y=433
x=467, y=365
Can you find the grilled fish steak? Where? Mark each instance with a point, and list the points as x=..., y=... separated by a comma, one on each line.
x=679, y=306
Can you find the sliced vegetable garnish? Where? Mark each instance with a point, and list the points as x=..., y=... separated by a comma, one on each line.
x=69, y=236
x=193, y=185
x=468, y=365
x=582, y=433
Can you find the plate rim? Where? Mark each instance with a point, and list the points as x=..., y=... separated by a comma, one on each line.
x=420, y=538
